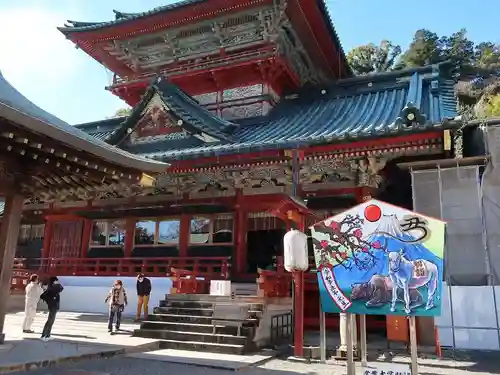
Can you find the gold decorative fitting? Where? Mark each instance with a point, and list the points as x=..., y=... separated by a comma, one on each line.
x=147, y=180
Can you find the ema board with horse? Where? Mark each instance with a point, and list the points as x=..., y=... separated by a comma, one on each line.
x=408, y=275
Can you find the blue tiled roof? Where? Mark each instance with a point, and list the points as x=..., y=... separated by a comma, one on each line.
x=351, y=109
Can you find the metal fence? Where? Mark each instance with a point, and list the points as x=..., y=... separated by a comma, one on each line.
x=468, y=199
x=281, y=329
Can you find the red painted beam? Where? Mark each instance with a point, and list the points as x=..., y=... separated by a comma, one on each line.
x=374, y=143
x=216, y=162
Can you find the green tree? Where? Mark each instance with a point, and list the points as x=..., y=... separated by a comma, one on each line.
x=370, y=58
x=457, y=48
x=123, y=112
x=424, y=49
x=487, y=55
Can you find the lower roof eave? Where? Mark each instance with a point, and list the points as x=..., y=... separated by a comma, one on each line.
x=303, y=143
x=85, y=143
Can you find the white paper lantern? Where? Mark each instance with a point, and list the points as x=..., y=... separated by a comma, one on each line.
x=295, y=251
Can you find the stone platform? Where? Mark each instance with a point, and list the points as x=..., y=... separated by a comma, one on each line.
x=187, y=322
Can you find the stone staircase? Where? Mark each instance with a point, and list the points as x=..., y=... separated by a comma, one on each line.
x=185, y=322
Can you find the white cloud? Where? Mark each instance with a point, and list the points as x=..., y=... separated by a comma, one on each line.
x=32, y=50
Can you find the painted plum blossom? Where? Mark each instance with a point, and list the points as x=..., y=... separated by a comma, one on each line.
x=346, y=246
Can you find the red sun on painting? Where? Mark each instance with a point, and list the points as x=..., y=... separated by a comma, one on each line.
x=373, y=213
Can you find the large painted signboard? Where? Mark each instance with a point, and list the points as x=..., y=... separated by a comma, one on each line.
x=380, y=259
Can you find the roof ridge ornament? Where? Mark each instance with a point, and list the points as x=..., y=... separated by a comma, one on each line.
x=410, y=116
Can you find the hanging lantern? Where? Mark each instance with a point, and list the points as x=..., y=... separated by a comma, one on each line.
x=295, y=251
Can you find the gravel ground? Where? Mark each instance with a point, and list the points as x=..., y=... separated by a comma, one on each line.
x=484, y=364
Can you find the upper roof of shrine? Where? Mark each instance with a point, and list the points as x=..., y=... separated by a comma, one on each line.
x=395, y=103
x=311, y=18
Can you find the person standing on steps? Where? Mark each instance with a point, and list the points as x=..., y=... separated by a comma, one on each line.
x=52, y=297
x=117, y=299
x=143, y=293
x=33, y=292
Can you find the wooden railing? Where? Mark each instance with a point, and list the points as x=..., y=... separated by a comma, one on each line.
x=194, y=66
x=206, y=267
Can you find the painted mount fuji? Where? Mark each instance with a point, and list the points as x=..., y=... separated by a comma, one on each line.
x=380, y=259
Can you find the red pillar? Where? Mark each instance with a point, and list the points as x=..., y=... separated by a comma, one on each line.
x=129, y=237
x=184, y=235
x=241, y=229
x=298, y=313
x=47, y=237
x=86, y=234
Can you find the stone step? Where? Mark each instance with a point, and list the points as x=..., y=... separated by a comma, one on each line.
x=186, y=304
x=192, y=336
x=202, y=347
x=193, y=327
x=196, y=311
x=206, y=298
x=175, y=318
x=205, y=304
x=195, y=319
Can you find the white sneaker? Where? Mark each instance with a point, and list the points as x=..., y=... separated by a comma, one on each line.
x=44, y=339
x=49, y=338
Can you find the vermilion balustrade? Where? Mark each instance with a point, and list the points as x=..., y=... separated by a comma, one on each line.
x=206, y=267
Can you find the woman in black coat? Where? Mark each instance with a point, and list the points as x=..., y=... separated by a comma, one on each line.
x=52, y=298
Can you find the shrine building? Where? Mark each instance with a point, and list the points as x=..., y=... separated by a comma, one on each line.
x=256, y=110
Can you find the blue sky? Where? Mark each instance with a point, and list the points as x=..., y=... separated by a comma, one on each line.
x=47, y=69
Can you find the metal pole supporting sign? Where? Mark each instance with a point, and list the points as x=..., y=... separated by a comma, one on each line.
x=322, y=334
x=413, y=346
x=351, y=369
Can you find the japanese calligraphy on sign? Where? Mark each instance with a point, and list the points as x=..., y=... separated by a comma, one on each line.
x=380, y=259
x=384, y=372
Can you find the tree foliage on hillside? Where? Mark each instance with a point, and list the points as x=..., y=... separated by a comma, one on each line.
x=370, y=58
x=478, y=89
x=123, y=112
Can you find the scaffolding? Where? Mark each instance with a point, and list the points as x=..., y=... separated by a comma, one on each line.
x=468, y=199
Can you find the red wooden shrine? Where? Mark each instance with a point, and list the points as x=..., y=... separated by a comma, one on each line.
x=253, y=105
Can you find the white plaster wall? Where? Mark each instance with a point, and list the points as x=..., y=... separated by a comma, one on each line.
x=86, y=294
x=474, y=317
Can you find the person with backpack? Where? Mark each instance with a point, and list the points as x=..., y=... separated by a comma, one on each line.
x=52, y=297
x=33, y=292
x=117, y=299
x=143, y=293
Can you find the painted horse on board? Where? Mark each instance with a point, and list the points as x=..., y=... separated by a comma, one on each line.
x=410, y=274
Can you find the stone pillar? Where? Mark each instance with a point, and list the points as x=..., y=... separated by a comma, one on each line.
x=342, y=349
x=9, y=232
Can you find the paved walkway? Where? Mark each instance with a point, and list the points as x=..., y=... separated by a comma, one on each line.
x=76, y=336
x=130, y=366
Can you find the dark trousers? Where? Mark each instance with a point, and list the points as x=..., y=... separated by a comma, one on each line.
x=114, y=311
x=47, y=329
